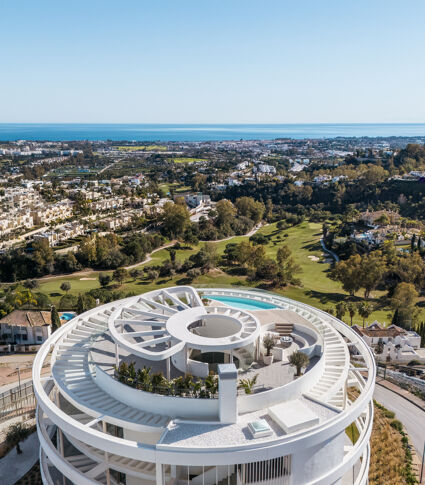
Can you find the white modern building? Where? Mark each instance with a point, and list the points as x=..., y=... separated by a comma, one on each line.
x=150, y=422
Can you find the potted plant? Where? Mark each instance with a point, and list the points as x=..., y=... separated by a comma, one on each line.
x=298, y=360
x=269, y=343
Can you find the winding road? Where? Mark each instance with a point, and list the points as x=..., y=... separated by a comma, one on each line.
x=410, y=415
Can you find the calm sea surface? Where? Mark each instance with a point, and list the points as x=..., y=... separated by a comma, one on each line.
x=156, y=132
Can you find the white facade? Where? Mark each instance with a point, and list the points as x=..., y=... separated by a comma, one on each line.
x=289, y=432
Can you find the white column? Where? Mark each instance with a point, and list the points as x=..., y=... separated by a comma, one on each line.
x=168, y=368
x=107, y=472
x=227, y=393
x=159, y=474
x=117, y=356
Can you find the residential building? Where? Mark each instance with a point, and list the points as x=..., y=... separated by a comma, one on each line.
x=25, y=327
x=96, y=428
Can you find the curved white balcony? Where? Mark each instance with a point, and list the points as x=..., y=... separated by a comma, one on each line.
x=75, y=377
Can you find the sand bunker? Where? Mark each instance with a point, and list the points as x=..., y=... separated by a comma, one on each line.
x=313, y=258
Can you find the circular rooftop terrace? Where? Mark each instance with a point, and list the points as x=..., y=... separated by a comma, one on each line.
x=82, y=399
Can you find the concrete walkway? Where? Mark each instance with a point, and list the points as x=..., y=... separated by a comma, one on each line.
x=14, y=466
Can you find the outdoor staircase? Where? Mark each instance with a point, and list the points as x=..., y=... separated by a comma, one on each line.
x=284, y=329
x=76, y=381
x=330, y=387
x=231, y=480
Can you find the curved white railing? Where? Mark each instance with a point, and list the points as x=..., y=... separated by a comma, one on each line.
x=212, y=455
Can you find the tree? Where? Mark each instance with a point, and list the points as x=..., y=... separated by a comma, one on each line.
x=248, y=207
x=136, y=273
x=153, y=274
x=298, y=360
x=287, y=268
x=65, y=286
x=403, y=301
x=120, y=274
x=372, y=270
x=85, y=302
x=226, y=212
x=175, y=219
x=15, y=434
x=269, y=343
x=31, y=284
x=207, y=257
x=349, y=274
x=341, y=310
x=352, y=310
x=365, y=309
x=43, y=256
x=104, y=279
x=56, y=321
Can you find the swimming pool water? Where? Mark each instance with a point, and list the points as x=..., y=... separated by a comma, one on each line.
x=241, y=303
x=67, y=316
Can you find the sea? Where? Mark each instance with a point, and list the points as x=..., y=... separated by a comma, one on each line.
x=202, y=132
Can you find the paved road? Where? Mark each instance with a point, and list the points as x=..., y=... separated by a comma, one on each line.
x=410, y=415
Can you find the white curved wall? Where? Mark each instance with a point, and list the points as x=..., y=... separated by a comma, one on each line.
x=173, y=406
x=310, y=448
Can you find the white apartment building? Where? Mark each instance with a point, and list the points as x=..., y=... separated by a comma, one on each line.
x=97, y=426
x=25, y=327
x=107, y=204
x=45, y=214
x=264, y=168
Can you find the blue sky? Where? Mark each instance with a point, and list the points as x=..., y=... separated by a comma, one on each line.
x=230, y=61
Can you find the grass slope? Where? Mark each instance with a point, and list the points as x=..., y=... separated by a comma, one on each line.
x=304, y=241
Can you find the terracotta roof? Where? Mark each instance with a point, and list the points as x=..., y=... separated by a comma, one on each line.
x=375, y=330
x=27, y=318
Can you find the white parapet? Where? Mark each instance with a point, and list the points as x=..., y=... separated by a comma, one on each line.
x=106, y=426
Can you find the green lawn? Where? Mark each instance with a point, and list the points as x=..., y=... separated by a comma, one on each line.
x=304, y=241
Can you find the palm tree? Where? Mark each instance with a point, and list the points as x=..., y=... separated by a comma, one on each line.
x=365, y=309
x=299, y=360
x=15, y=434
x=352, y=310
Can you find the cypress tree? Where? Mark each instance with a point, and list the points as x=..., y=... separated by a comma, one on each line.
x=56, y=321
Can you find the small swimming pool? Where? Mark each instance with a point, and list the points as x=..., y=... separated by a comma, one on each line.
x=241, y=303
x=67, y=316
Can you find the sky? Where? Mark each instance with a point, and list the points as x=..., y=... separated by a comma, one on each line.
x=233, y=61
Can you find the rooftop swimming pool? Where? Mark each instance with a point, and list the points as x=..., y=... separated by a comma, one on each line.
x=241, y=303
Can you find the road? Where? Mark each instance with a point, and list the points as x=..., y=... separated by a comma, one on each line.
x=410, y=415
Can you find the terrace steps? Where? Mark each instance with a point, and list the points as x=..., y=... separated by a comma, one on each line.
x=75, y=378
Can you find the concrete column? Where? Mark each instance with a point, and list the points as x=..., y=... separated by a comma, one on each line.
x=159, y=474
x=227, y=393
x=107, y=472
x=186, y=367
x=117, y=356
x=168, y=367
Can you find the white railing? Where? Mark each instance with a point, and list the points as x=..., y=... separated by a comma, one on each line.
x=213, y=455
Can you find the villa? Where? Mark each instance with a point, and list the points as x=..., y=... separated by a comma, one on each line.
x=176, y=386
